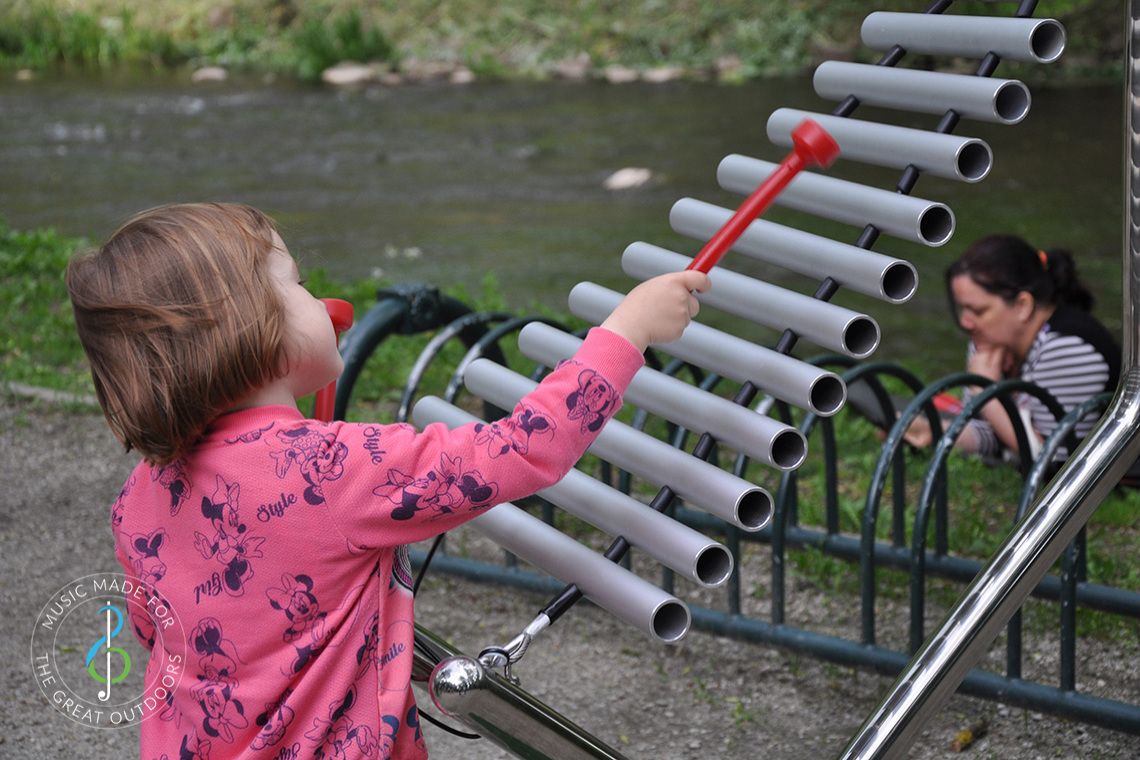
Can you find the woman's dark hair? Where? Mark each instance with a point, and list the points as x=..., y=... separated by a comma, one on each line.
x=1005, y=265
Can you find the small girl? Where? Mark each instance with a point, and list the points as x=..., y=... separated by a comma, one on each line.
x=279, y=541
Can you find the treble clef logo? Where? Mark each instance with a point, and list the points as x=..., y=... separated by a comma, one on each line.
x=105, y=676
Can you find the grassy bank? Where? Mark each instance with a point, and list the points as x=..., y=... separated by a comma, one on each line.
x=40, y=347
x=731, y=39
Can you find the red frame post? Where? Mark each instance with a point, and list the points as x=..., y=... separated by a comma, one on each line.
x=340, y=312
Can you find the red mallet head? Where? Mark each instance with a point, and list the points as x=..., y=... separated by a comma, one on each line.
x=812, y=143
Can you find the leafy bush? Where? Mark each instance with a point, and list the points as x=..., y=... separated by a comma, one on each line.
x=43, y=37
x=319, y=44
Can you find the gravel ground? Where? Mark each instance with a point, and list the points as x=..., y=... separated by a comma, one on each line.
x=706, y=698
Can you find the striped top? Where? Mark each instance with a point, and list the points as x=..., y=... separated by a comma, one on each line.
x=1073, y=357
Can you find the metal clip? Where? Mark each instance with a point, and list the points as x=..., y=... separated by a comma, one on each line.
x=506, y=656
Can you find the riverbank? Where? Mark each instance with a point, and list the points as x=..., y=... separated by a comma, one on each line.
x=463, y=40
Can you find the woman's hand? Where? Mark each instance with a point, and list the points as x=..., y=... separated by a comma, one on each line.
x=989, y=360
x=918, y=433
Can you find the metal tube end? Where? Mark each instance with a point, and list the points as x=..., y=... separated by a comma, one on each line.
x=754, y=510
x=788, y=449
x=974, y=161
x=936, y=224
x=671, y=621
x=713, y=565
x=1047, y=41
x=827, y=395
x=1011, y=102
x=861, y=337
x=899, y=282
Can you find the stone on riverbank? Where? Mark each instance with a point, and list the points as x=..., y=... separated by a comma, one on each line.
x=210, y=74
x=628, y=178
x=348, y=73
x=575, y=69
x=619, y=74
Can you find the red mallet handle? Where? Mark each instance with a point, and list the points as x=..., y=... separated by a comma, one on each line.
x=340, y=312
x=811, y=145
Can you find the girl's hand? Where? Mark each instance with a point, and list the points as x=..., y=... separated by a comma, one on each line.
x=658, y=310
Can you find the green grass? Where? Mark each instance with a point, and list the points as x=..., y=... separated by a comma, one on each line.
x=39, y=345
x=503, y=38
x=266, y=36
x=346, y=37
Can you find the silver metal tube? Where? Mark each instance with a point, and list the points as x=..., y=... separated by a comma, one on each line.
x=1004, y=101
x=823, y=323
x=873, y=274
x=967, y=159
x=678, y=547
x=698, y=482
x=507, y=715
x=1038, y=40
x=1041, y=536
x=619, y=592
x=784, y=377
x=759, y=436
x=903, y=216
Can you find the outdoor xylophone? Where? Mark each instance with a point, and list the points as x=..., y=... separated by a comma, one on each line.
x=470, y=689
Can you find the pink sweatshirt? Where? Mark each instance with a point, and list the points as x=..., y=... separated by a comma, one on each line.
x=278, y=542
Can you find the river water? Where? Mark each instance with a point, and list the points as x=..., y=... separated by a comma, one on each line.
x=448, y=183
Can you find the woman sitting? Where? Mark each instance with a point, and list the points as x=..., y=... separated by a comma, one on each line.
x=1028, y=317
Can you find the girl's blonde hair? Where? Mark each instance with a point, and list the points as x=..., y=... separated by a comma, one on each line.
x=180, y=320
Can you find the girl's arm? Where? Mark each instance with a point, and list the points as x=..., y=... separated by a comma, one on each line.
x=395, y=485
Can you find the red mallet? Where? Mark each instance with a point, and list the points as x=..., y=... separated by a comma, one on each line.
x=811, y=146
x=340, y=312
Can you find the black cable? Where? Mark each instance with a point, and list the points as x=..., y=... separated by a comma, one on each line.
x=427, y=561
x=449, y=729
x=496, y=651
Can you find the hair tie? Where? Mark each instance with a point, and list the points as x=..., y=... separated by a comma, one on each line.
x=1044, y=258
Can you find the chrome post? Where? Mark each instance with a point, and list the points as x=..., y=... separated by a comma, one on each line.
x=496, y=708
